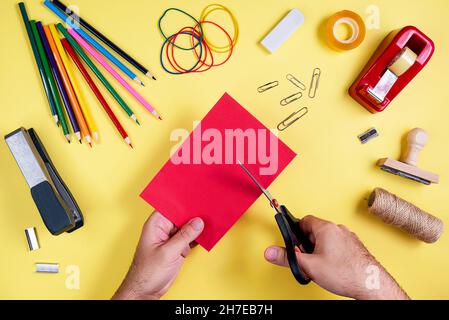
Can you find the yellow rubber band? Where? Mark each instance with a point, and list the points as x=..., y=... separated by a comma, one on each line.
x=218, y=7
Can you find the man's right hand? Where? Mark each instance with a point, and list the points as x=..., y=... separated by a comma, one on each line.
x=340, y=263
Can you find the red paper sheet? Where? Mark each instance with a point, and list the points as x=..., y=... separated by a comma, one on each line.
x=208, y=183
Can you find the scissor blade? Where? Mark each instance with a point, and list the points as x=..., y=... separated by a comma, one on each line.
x=264, y=191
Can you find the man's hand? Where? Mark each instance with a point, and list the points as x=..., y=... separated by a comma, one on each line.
x=159, y=257
x=339, y=263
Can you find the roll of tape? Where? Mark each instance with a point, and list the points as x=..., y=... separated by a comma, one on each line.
x=354, y=21
x=403, y=61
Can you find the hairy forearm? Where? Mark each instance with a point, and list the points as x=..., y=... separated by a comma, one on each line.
x=127, y=293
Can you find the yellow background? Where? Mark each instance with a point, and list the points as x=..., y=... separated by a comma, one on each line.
x=330, y=178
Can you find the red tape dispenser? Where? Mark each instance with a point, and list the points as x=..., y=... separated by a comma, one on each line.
x=398, y=59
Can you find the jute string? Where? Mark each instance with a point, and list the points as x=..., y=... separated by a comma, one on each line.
x=400, y=213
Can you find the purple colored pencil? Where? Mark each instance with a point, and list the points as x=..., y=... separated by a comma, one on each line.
x=58, y=79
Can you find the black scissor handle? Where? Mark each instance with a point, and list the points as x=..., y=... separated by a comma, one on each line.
x=293, y=236
x=296, y=230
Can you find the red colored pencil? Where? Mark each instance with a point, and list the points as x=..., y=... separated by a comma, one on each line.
x=97, y=92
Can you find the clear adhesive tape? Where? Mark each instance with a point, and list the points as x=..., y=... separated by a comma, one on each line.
x=403, y=61
x=354, y=21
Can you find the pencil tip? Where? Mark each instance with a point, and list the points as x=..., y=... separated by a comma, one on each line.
x=150, y=75
x=139, y=81
x=131, y=145
x=137, y=121
x=160, y=118
x=90, y=144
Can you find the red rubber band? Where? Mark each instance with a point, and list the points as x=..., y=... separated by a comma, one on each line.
x=231, y=45
x=171, y=59
x=207, y=61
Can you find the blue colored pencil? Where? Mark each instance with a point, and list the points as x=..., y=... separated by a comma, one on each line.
x=92, y=41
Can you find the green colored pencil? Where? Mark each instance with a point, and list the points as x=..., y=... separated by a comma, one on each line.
x=51, y=81
x=97, y=72
x=38, y=59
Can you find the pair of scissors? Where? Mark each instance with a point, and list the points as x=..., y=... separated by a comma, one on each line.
x=290, y=230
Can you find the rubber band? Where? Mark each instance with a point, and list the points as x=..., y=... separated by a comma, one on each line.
x=172, y=59
x=231, y=46
x=166, y=42
x=204, y=56
x=175, y=65
x=170, y=48
x=218, y=7
x=208, y=54
x=183, y=12
x=207, y=66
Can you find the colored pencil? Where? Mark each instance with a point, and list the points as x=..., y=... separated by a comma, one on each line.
x=97, y=72
x=59, y=81
x=68, y=87
x=92, y=128
x=96, y=91
x=51, y=80
x=40, y=66
x=104, y=39
x=114, y=73
x=93, y=42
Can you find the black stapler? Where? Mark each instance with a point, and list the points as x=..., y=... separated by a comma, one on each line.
x=55, y=203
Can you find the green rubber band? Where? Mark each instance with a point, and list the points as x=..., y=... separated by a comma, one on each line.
x=169, y=38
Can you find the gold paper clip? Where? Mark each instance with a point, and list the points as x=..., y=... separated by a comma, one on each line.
x=268, y=86
x=291, y=99
x=314, y=83
x=287, y=123
x=296, y=82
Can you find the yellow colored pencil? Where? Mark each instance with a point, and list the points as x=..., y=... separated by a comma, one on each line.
x=83, y=105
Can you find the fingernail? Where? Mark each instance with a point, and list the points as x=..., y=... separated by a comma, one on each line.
x=297, y=250
x=271, y=254
x=197, y=224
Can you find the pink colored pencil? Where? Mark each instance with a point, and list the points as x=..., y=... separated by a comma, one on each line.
x=114, y=73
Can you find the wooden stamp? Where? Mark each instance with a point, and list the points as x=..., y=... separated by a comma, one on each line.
x=407, y=167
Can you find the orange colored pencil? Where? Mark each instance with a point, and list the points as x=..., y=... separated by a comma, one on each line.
x=67, y=84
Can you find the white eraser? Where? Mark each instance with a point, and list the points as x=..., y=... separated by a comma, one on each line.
x=284, y=29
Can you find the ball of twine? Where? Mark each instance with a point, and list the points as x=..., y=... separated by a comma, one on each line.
x=400, y=213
